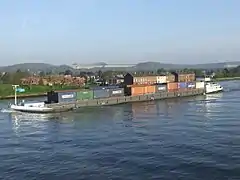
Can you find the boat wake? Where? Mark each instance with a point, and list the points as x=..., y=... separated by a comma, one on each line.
x=3, y=110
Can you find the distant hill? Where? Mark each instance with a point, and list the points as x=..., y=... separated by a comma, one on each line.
x=150, y=66
x=35, y=67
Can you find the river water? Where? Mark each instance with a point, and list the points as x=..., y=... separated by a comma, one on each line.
x=191, y=139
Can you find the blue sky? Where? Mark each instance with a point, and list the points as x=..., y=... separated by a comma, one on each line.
x=119, y=31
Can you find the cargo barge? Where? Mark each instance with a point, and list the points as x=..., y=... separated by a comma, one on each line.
x=134, y=89
x=68, y=106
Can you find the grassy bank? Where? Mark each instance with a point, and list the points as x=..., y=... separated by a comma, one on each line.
x=227, y=79
x=7, y=92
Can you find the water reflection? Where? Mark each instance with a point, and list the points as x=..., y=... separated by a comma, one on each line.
x=23, y=121
x=211, y=105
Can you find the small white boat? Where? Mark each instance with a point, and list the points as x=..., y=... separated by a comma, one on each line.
x=31, y=107
x=39, y=107
x=213, y=87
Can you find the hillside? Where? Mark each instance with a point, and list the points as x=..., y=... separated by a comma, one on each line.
x=150, y=66
x=34, y=67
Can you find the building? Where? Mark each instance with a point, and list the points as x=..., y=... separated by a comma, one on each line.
x=30, y=80
x=54, y=80
x=184, y=77
x=130, y=79
x=116, y=80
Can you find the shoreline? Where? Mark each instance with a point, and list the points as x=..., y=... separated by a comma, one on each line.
x=23, y=96
x=227, y=79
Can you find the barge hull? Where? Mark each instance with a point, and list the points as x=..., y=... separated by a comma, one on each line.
x=61, y=107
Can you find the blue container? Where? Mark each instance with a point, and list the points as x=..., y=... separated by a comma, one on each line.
x=101, y=93
x=67, y=96
x=182, y=85
x=105, y=87
x=191, y=85
x=161, y=87
x=116, y=92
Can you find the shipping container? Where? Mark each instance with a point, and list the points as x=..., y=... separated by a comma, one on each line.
x=85, y=95
x=143, y=89
x=200, y=85
x=172, y=86
x=101, y=93
x=170, y=78
x=182, y=85
x=161, y=87
x=117, y=92
x=150, y=89
x=67, y=96
x=137, y=90
x=161, y=79
x=191, y=85
x=52, y=97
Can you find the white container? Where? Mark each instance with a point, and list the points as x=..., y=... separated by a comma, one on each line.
x=200, y=85
x=161, y=79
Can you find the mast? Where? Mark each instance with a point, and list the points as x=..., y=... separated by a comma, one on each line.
x=15, y=93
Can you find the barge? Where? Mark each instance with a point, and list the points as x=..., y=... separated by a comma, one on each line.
x=68, y=106
x=133, y=90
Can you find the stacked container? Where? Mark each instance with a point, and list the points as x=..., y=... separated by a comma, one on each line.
x=200, y=85
x=67, y=96
x=85, y=95
x=173, y=86
x=107, y=91
x=99, y=93
x=191, y=85
x=141, y=90
x=161, y=87
x=61, y=96
x=116, y=92
x=182, y=86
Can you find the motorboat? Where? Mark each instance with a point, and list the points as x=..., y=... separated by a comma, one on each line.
x=213, y=87
x=39, y=107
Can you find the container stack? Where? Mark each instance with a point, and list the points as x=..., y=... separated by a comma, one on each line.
x=99, y=92
x=134, y=86
x=61, y=96
x=162, y=83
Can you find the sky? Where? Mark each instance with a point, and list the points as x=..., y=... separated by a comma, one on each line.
x=119, y=31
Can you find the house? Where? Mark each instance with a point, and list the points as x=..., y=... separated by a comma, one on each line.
x=32, y=80
x=116, y=80
x=184, y=77
x=130, y=79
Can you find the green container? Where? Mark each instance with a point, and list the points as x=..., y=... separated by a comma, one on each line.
x=85, y=94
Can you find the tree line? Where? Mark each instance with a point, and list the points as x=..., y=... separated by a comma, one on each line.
x=15, y=77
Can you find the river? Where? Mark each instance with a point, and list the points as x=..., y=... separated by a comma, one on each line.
x=191, y=139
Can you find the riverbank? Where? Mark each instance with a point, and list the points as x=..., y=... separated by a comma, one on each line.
x=23, y=96
x=227, y=79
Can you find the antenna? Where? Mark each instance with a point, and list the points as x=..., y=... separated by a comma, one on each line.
x=15, y=93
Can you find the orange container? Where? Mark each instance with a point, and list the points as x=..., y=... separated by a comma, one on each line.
x=150, y=89
x=137, y=90
x=172, y=86
x=142, y=89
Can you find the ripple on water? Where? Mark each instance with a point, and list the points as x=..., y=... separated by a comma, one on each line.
x=193, y=138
